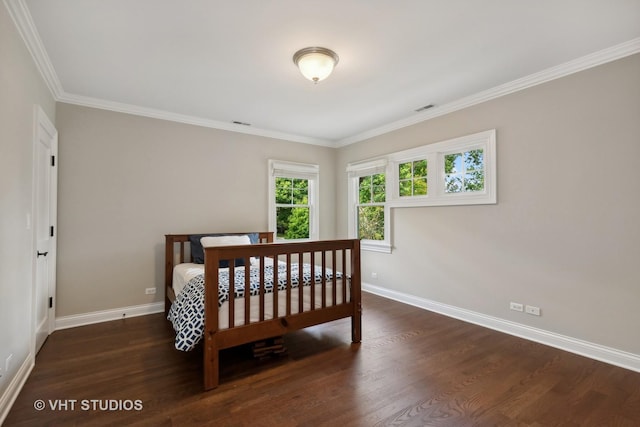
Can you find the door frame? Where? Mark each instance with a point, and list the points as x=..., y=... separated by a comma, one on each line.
x=44, y=128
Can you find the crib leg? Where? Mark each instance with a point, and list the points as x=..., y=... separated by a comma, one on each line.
x=356, y=324
x=211, y=366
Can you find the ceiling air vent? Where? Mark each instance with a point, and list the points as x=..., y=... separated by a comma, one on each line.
x=426, y=107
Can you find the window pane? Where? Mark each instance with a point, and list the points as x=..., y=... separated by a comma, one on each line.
x=378, y=190
x=405, y=188
x=404, y=170
x=371, y=222
x=453, y=183
x=300, y=197
x=301, y=184
x=420, y=186
x=474, y=159
x=300, y=191
x=474, y=181
x=420, y=169
x=452, y=163
x=364, y=189
x=378, y=194
x=283, y=190
x=292, y=223
x=378, y=179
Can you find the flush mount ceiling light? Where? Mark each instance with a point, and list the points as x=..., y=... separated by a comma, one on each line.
x=315, y=63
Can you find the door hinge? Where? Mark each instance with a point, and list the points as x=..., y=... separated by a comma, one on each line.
x=53, y=161
x=50, y=302
x=51, y=231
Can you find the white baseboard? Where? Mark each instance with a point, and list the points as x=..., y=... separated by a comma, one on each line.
x=584, y=348
x=75, y=320
x=11, y=393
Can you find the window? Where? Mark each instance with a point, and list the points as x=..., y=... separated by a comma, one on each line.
x=293, y=206
x=464, y=172
x=368, y=209
x=460, y=171
x=412, y=178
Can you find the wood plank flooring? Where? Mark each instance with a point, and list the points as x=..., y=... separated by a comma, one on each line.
x=413, y=368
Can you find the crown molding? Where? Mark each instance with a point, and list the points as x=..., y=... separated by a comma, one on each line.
x=187, y=119
x=589, y=61
x=22, y=18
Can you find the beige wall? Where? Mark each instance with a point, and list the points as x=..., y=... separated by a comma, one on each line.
x=125, y=181
x=565, y=234
x=21, y=87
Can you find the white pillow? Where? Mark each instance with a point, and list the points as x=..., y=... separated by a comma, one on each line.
x=210, y=241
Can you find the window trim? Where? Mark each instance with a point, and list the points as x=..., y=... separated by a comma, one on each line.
x=286, y=169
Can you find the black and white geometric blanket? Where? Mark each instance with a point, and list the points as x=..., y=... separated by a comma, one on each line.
x=187, y=311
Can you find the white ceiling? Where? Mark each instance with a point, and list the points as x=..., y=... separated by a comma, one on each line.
x=214, y=62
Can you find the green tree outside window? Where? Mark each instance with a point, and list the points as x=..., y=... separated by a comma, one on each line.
x=292, y=208
x=464, y=172
x=412, y=178
x=370, y=209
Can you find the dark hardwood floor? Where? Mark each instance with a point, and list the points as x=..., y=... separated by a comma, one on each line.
x=413, y=368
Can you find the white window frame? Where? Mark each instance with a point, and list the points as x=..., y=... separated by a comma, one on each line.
x=436, y=194
x=308, y=171
x=355, y=171
x=435, y=154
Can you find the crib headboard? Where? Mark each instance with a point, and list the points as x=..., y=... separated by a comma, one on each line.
x=176, y=246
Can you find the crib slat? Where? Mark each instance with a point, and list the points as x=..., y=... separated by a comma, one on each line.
x=232, y=292
x=344, y=276
x=324, y=279
x=261, y=280
x=247, y=290
x=274, y=291
x=288, y=284
x=313, y=275
x=334, y=280
x=300, y=287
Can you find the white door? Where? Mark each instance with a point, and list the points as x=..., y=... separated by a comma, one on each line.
x=44, y=225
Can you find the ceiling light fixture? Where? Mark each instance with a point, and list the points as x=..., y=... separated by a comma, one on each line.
x=315, y=63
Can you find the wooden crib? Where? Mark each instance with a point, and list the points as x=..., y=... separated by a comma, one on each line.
x=266, y=314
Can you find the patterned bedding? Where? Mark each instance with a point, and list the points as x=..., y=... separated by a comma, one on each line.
x=187, y=311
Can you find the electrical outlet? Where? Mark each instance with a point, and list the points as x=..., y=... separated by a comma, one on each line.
x=516, y=306
x=530, y=309
x=374, y=275
x=150, y=291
